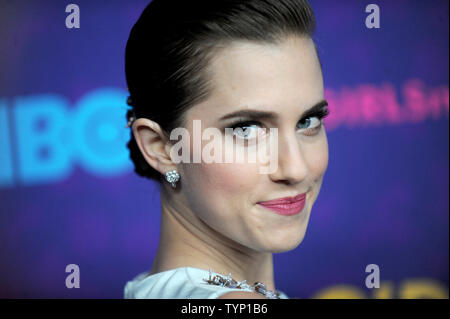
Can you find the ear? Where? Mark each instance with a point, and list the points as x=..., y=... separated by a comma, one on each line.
x=154, y=144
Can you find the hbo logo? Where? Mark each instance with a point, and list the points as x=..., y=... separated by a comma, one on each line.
x=42, y=137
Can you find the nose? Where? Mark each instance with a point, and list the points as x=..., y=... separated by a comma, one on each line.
x=292, y=167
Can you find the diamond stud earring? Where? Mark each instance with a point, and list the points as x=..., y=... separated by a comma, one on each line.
x=173, y=177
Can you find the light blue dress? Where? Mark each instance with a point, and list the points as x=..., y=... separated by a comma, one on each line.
x=179, y=283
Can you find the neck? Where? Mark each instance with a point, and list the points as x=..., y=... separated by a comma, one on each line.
x=186, y=241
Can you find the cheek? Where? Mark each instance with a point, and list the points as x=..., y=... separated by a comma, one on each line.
x=227, y=179
x=317, y=158
x=219, y=193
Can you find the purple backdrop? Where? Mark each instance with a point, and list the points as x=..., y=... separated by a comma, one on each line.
x=68, y=194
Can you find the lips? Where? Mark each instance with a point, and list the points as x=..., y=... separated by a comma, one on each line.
x=286, y=205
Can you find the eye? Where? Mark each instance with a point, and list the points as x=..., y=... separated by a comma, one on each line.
x=246, y=130
x=309, y=123
x=313, y=122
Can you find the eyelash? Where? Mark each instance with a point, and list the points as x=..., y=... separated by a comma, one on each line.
x=320, y=115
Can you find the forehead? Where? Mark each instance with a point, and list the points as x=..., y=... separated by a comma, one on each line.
x=286, y=74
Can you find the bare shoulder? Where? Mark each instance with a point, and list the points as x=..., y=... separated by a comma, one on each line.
x=241, y=295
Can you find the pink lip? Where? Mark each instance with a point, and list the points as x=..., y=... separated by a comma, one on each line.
x=287, y=205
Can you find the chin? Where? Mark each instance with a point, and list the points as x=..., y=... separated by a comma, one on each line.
x=289, y=239
x=286, y=243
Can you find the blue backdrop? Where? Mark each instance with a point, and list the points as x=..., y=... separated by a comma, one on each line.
x=68, y=194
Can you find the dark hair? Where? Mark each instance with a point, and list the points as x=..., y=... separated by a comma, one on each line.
x=170, y=46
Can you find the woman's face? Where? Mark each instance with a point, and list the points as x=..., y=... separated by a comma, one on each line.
x=286, y=80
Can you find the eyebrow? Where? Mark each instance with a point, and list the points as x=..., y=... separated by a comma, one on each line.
x=261, y=115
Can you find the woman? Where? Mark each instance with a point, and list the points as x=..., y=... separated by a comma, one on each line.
x=245, y=65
